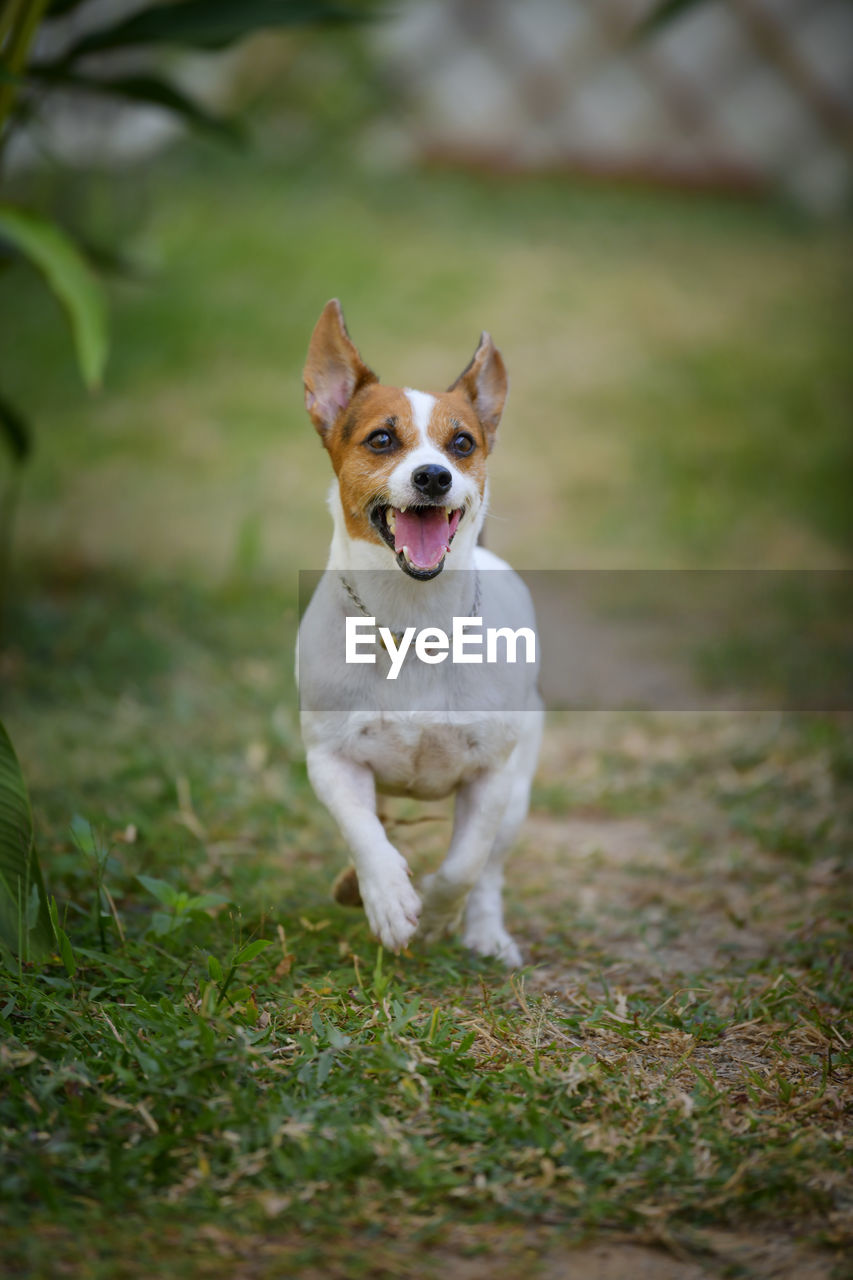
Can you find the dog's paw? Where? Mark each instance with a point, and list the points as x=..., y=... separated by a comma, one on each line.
x=487, y=938
x=392, y=907
x=442, y=910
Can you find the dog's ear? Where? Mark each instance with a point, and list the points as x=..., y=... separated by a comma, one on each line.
x=334, y=371
x=484, y=382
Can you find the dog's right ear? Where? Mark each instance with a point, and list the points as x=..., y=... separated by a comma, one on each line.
x=484, y=382
x=334, y=371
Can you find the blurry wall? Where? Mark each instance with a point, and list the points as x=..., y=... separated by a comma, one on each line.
x=732, y=92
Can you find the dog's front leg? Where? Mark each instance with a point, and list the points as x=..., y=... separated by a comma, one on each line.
x=480, y=808
x=348, y=791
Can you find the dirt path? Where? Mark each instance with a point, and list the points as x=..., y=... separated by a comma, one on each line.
x=682, y=856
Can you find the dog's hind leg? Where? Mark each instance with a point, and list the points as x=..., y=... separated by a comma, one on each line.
x=484, y=930
x=479, y=811
x=489, y=812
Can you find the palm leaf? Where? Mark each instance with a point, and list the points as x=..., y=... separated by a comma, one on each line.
x=24, y=919
x=58, y=8
x=68, y=275
x=16, y=430
x=213, y=24
x=148, y=90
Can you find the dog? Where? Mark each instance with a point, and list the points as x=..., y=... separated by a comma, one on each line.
x=408, y=503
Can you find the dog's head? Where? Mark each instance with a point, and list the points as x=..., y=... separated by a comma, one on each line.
x=411, y=466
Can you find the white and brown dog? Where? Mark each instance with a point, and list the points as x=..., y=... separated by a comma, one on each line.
x=408, y=503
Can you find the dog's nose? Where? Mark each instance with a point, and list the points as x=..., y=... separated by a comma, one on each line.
x=432, y=481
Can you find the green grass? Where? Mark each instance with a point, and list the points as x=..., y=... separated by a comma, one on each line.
x=672, y=1071
x=676, y=1061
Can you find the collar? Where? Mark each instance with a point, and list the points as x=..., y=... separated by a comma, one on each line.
x=474, y=611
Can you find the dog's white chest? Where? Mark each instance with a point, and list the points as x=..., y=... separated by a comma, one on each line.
x=427, y=761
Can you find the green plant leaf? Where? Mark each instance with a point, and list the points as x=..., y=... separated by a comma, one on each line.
x=251, y=950
x=67, y=954
x=148, y=90
x=24, y=920
x=62, y=940
x=161, y=924
x=161, y=889
x=212, y=24
x=16, y=431
x=83, y=835
x=68, y=275
x=204, y=901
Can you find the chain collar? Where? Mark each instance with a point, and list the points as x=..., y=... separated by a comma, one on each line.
x=474, y=611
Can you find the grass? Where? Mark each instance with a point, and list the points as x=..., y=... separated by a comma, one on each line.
x=672, y=1070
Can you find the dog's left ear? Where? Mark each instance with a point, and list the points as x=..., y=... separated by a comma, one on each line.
x=334, y=371
x=484, y=382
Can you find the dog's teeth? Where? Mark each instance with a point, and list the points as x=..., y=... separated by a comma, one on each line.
x=401, y=510
x=391, y=521
x=449, y=511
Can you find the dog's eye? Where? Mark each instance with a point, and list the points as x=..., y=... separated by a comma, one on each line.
x=462, y=443
x=380, y=441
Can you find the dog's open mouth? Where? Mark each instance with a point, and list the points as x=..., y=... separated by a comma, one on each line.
x=419, y=536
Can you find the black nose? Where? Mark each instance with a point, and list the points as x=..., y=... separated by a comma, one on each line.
x=432, y=481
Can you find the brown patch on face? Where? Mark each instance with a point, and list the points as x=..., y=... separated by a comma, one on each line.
x=454, y=415
x=363, y=474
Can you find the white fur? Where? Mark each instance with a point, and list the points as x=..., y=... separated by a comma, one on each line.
x=422, y=407
x=484, y=755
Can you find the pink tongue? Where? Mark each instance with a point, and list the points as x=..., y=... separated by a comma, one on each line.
x=426, y=533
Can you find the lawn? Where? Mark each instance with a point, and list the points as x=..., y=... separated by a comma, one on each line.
x=665, y=1089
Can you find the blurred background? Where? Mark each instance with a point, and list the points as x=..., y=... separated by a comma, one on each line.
x=646, y=204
